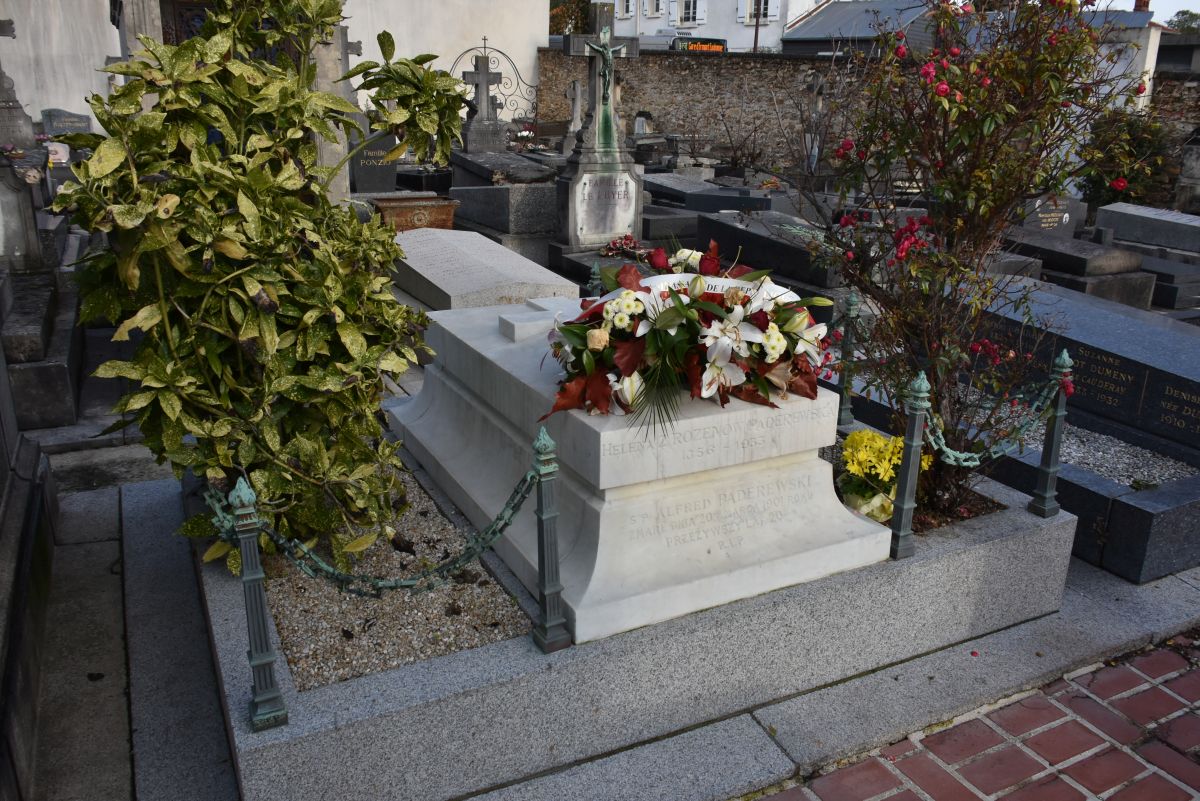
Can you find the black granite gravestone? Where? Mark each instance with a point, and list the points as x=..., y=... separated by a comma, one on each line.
x=369, y=173
x=57, y=121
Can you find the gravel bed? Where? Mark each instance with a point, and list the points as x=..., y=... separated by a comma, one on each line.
x=330, y=636
x=1112, y=458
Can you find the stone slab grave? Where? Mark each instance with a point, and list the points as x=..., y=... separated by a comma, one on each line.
x=666, y=223
x=767, y=243
x=489, y=169
x=1150, y=226
x=456, y=269
x=652, y=521
x=1087, y=267
x=509, y=208
x=1137, y=374
x=1177, y=285
x=1062, y=215
x=701, y=196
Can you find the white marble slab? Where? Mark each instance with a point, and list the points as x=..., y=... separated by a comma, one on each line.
x=653, y=524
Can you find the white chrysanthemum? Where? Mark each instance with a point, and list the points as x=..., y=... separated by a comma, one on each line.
x=774, y=343
x=610, y=309
x=628, y=305
x=622, y=320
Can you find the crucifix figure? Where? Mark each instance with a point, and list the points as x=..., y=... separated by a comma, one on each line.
x=482, y=79
x=606, y=51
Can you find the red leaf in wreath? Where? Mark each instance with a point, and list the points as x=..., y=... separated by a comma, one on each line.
x=804, y=380
x=657, y=260
x=570, y=396
x=599, y=391
x=709, y=265
x=750, y=394
x=738, y=270
x=630, y=277
x=695, y=375
x=628, y=355
x=590, y=312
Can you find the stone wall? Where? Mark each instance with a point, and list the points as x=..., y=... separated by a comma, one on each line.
x=688, y=93
x=1176, y=100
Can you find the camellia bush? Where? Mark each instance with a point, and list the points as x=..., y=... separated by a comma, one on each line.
x=267, y=314
x=934, y=151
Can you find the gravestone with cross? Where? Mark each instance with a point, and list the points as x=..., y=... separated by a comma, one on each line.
x=484, y=132
x=600, y=190
x=573, y=94
x=16, y=127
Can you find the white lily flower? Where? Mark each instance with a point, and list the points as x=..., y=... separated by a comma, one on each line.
x=810, y=342
x=718, y=375
x=691, y=258
x=764, y=296
x=628, y=388
x=730, y=335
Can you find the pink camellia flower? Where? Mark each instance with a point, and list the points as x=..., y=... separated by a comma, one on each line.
x=958, y=97
x=986, y=81
x=1141, y=88
x=954, y=52
x=1052, y=39
x=901, y=51
x=935, y=52
x=849, y=255
x=1119, y=184
x=900, y=35
x=968, y=8
x=942, y=89
x=945, y=64
x=862, y=155
x=847, y=145
x=928, y=72
x=846, y=221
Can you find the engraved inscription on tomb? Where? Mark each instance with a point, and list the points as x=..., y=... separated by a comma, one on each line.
x=714, y=524
x=1107, y=382
x=703, y=442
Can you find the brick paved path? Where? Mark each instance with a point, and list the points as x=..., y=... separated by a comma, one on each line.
x=1124, y=732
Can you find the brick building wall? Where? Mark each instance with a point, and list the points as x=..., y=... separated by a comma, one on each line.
x=687, y=93
x=1176, y=100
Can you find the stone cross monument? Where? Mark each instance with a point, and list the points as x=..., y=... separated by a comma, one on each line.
x=600, y=190
x=483, y=133
x=573, y=94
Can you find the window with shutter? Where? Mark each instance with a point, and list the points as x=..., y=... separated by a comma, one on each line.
x=673, y=11
x=687, y=12
x=701, y=12
x=772, y=10
x=652, y=8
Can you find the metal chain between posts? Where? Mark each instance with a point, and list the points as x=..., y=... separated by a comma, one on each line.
x=1044, y=399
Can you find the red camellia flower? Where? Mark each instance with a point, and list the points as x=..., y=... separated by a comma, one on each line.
x=935, y=52
x=1052, y=39
x=846, y=221
x=1065, y=104
x=958, y=97
x=1141, y=88
x=942, y=89
x=849, y=255
x=709, y=265
x=954, y=52
x=1119, y=184
x=986, y=81
x=945, y=64
x=928, y=72
x=847, y=145
x=900, y=35
x=901, y=51
x=862, y=155
x=658, y=259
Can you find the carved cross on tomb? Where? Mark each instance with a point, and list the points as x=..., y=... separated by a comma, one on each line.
x=481, y=80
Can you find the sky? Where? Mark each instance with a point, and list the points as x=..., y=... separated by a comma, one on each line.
x=1163, y=9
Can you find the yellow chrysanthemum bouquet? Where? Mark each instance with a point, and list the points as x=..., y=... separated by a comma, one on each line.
x=871, y=460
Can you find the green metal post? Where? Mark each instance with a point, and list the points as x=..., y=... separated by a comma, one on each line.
x=845, y=413
x=917, y=405
x=1044, y=503
x=550, y=633
x=267, y=708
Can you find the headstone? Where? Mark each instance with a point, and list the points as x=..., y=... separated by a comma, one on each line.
x=1177, y=285
x=576, y=97
x=483, y=132
x=653, y=524
x=20, y=247
x=459, y=269
x=1135, y=368
x=57, y=121
x=16, y=127
x=600, y=190
x=1059, y=214
x=1134, y=289
x=1073, y=256
x=369, y=173
x=1150, y=226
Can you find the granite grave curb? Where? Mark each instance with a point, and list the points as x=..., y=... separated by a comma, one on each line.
x=604, y=697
